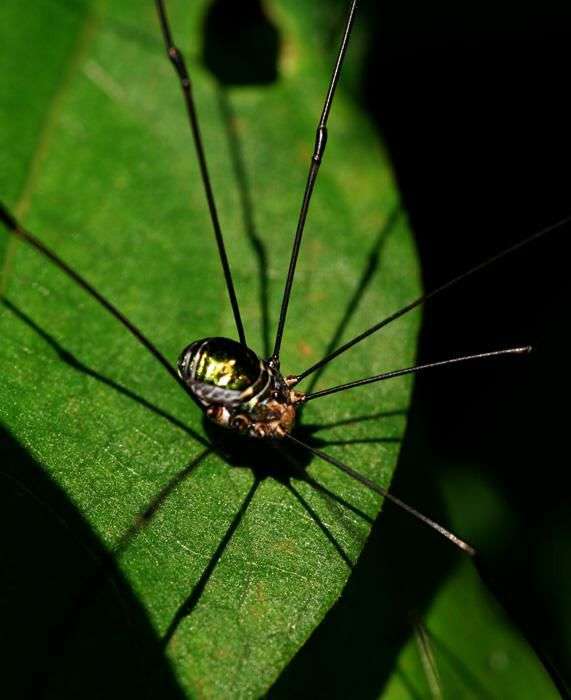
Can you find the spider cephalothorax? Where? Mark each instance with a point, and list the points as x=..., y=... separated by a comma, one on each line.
x=237, y=389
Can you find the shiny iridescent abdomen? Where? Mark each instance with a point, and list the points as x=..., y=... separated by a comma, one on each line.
x=237, y=389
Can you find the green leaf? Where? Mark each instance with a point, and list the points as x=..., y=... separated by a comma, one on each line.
x=465, y=647
x=234, y=573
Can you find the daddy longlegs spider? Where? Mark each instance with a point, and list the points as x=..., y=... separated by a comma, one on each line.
x=207, y=371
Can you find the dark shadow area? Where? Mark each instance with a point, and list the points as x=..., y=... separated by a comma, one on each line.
x=49, y=556
x=353, y=652
x=371, y=267
x=247, y=206
x=276, y=459
x=241, y=43
x=472, y=103
x=265, y=458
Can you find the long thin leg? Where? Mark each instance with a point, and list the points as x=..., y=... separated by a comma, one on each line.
x=410, y=370
x=425, y=297
x=179, y=65
x=316, y=158
x=464, y=546
x=14, y=228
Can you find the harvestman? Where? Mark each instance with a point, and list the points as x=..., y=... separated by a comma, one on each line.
x=235, y=388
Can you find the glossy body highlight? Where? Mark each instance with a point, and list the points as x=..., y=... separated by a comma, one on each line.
x=238, y=390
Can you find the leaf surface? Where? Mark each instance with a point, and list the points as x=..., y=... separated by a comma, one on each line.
x=230, y=567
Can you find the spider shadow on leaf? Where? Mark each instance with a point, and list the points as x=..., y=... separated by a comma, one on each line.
x=265, y=460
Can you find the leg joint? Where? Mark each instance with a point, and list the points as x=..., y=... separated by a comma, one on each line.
x=320, y=143
x=178, y=62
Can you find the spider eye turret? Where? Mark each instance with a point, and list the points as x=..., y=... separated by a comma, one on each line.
x=221, y=363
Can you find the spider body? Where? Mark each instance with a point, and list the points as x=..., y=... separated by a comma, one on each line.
x=238, y=390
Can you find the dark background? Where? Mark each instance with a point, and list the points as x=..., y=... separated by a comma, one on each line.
x=472, y=100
